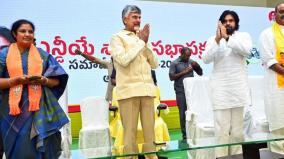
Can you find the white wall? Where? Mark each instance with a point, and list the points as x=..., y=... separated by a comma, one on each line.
x=252, y=3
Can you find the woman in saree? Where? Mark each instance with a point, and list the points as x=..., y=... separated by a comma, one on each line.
x=32, y=82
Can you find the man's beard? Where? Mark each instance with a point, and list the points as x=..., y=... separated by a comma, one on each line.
x=230, y=30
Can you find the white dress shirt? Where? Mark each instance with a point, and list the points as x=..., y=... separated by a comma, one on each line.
x=229, y=78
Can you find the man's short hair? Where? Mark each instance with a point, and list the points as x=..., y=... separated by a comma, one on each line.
x=277, y=5
x=128, y=9
x=184, y=49
x=233, y=14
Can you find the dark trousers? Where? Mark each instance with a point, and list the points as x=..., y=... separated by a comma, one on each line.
x=181, y=103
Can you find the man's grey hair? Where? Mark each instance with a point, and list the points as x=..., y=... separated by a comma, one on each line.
x=130, y=9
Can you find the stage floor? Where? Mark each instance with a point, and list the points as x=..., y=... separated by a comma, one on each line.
x=264, y=154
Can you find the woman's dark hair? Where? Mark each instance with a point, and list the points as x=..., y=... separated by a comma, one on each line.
x=5, y=32
x=233, y=14
x=16, y=25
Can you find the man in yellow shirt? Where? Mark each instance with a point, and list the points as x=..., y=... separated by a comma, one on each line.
x=133, y=61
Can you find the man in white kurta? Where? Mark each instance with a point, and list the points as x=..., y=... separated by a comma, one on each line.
x=274, y=93
x=227, y=50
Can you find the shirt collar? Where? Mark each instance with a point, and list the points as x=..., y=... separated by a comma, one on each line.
x=126, y=32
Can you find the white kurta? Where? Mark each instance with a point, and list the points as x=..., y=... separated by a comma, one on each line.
x=273, y=96
x=229, y=79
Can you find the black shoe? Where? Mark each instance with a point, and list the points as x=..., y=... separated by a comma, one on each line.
x=141, y=157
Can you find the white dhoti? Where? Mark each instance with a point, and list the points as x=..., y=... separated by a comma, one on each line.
x=228, y=125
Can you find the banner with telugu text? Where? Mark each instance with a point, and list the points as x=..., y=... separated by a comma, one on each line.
x=62, y=26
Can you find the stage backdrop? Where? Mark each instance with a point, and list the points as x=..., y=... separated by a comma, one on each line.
x=64, y=25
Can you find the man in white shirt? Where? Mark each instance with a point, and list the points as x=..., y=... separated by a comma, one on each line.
x=271, y=47
x=227, y=50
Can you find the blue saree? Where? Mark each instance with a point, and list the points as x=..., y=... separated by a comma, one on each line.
x=33, y=135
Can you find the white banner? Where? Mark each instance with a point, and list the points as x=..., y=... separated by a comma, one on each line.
x=62, y=26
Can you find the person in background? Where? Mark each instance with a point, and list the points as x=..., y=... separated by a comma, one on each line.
x=133, y=60
x=105, y=64
x=32, y=82
x=112, y=77
x=181, y=68
x=227, y=50
x=271, y=47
